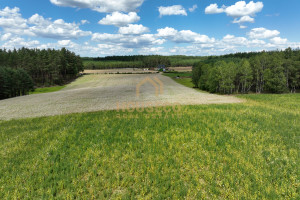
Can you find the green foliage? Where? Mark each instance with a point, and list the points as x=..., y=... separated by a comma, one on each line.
x=14, y=82
x=111, y=62
x=47, y=89
x=156, y=61
x=45, y=67
x=270, y=72
x=235, y=151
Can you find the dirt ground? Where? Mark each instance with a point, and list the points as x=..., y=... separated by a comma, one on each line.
x=108, y=92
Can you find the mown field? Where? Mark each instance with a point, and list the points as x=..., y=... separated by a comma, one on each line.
x=229, y=151
x=183, y=78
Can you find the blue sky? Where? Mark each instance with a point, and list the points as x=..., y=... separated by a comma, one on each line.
x=167, y=27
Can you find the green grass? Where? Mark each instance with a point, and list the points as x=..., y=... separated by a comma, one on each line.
x=47, y=89
x=184, y=78
x=234, y=151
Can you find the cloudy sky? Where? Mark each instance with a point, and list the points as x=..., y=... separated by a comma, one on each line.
x=167, y=27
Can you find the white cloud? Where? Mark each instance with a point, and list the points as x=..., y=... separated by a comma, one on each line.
x=262, y=33
x=172, y=10
x=56, y=29
x=192, y=9
x=241, y=8
x=213, y=9
x=184, y=36
x=6, y=37
x=167, y=32
x=84, y=21
x=279, y=40
x=12, y=22
x=133, y=29
x=18, y=42
x=64, y=42
x=244, y=19
x=105, y=6
x=240, y=11
x=119, y=19
x=127, y=41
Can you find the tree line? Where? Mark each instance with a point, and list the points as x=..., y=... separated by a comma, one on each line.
x=264, y=72
x=24, y=69
x=139, y=61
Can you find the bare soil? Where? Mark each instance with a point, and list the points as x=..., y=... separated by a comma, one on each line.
x=107, y=92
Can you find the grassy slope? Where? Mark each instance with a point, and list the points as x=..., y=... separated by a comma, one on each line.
x=185, y=78
x=236, y=151
x=47, y=89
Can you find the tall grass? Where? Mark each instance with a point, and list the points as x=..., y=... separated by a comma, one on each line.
x=241, y=151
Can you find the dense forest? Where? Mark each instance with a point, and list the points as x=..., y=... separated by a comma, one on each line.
x=138, y=61
x=23, y=69
x=264, y=72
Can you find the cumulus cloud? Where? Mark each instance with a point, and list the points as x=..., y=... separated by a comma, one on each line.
x=56, y=29
x=172, y=10
x=244, y=19
x=279, y=40
x=262, y=33
x=213, y=9
x=6, y=37
x=119, y=19
x=18, y=42
x=133, y=29
x=127, y=41
x=241, y=8
x=183, y=36
x=84, y=21
x=12, y=22
x=166, y=32
x=192, y=9
x=104, y=6
x=240, y=11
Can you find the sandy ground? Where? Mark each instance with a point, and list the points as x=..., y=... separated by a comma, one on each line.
x=107, y=92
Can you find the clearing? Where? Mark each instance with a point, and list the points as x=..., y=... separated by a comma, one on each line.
x=106, y=92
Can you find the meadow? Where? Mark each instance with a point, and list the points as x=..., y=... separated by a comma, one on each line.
x=228, y=151
x=47, y=89
x=183, y=78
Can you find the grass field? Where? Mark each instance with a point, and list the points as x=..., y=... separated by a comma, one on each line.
x=229, y=151
x=47, y=89
x=183, y=78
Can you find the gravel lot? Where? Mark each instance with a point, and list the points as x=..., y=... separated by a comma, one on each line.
x=106, y=92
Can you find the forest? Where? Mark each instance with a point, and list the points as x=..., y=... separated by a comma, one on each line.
x=138, y=61
x=24, y=69
x=264, y=72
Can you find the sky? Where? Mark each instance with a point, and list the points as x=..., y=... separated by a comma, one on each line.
x=167, y=27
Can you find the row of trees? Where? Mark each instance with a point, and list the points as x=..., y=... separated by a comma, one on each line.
x=24, y=68
x=139, y=61
x=270, y=72
x=14, y=82
x=46, y=67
